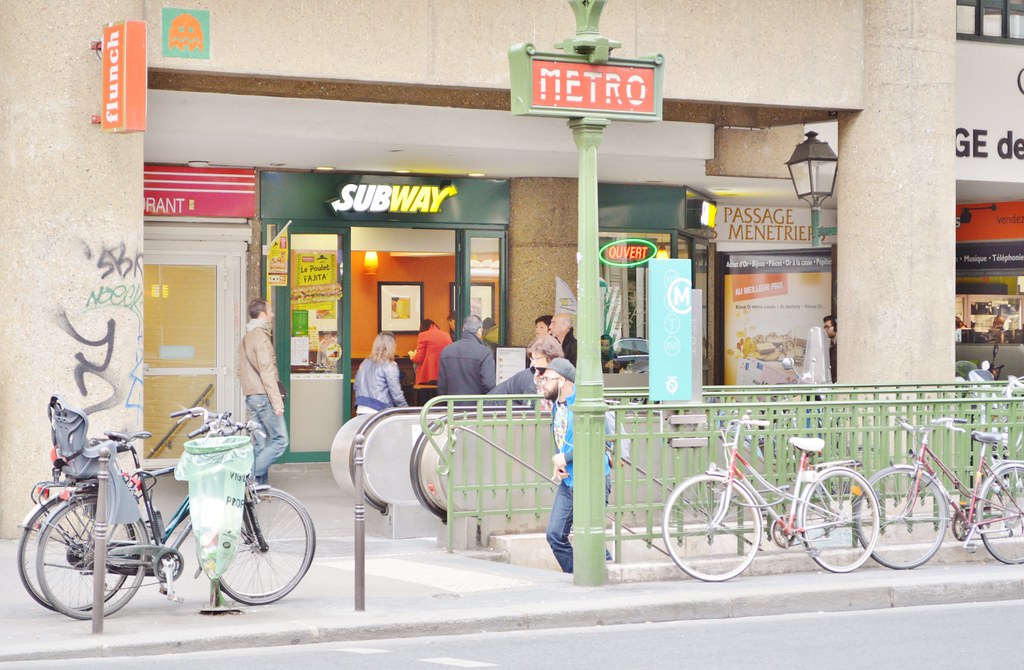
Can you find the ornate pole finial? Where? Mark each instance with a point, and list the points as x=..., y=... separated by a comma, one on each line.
x=588, y=41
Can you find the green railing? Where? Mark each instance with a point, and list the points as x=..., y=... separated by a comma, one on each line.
x=504, y=488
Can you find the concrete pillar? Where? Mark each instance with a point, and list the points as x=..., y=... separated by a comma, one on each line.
x=896, y=198
x=72, y=204
x=542, y=245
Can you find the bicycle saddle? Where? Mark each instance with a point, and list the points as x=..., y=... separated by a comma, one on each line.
x=987, y=437
x=812, y=445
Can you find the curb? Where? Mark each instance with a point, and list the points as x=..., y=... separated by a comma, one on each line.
x=590, y=606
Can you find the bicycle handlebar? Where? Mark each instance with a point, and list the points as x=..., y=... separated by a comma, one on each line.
x=943, y=421
x=218, y=423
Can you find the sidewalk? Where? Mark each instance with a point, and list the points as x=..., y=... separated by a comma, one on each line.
x=414, y=588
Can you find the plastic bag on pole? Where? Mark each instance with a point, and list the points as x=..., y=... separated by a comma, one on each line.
x=215, y=469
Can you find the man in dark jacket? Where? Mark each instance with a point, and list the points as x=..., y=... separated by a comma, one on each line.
x=467, y=366
x=561, y=328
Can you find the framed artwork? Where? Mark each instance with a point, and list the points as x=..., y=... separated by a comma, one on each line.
x=400, y=306
x=481, y=299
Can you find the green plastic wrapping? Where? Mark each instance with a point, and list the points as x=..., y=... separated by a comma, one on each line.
x=216, y=469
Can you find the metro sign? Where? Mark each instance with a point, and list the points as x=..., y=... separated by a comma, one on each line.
x=569, y=86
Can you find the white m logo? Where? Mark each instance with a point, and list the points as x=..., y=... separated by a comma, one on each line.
x=679, y=296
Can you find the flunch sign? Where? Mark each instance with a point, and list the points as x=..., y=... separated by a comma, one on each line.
x=628, y=253
x=124, y=77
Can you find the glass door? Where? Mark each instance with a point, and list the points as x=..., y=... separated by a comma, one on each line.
x=192, y=309
x=480, y=258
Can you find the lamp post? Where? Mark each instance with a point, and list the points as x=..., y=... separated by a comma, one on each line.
x=812, y=168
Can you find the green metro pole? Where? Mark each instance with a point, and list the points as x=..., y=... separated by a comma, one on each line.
x=590, y=88
x=588, y=410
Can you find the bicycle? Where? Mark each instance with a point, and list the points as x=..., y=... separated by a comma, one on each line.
x=65, y=479
x=916, y=506
x=713, y=523
x=275, y=551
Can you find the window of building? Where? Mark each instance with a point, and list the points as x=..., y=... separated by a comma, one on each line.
x=990, y=20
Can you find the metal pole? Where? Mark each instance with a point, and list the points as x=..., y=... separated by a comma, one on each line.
x=588, y=410
x=360, y=528
x=99, y=563
x=815, y=224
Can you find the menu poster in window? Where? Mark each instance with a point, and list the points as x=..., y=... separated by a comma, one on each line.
x=300, y=350
x=316, y=287
x=771, y=301
x=508, y=361
x=277, y=259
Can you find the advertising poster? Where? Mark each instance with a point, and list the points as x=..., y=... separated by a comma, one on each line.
x=771, y=301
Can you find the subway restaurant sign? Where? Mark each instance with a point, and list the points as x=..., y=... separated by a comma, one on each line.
x=382, y=198
x=401, y=198
x=570, y=86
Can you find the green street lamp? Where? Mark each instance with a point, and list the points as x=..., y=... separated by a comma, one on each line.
x=813, y=171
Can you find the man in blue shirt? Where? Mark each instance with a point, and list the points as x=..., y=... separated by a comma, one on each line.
x=558, y=385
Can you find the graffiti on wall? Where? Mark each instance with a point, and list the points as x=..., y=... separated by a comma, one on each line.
x=117, y=295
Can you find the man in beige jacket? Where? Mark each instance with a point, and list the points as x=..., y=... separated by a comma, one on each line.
x=257, y=370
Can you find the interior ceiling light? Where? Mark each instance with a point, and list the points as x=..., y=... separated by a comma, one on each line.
x=402, y=171
x=323, y=168
x=199, y=164
x=476, y=174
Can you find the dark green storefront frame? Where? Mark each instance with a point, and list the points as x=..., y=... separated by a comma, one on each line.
x=480, y=209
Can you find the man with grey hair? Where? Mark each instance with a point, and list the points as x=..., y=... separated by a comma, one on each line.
x=561, y=328
x=467, y=366
x=541, y=351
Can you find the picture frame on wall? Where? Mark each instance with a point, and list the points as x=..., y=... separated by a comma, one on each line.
x=399, y=306
x=481, y=299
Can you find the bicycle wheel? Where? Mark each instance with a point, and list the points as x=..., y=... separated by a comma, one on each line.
x=64, y=560
x=914, y=517
x=838, y=518
x=276, y=549
x=711, y=533
x=28, y=545
x=1001, y=517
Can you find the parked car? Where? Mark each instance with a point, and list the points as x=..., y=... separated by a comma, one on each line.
x=632, y=354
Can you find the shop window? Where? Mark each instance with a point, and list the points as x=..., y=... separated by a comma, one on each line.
x=624, y=288
x=992, y=20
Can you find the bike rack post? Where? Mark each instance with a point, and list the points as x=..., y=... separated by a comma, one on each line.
x=360, y=527
x=100, y=550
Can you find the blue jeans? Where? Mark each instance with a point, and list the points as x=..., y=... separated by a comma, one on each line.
x=266, y=449
x=560, y=524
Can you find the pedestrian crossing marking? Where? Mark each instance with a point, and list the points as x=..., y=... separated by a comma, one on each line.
x=449, y=579
x=458, y=663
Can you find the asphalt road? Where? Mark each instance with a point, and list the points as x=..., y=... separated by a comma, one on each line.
x=939, y=637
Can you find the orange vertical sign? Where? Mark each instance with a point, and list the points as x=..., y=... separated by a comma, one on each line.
x=124, y=77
